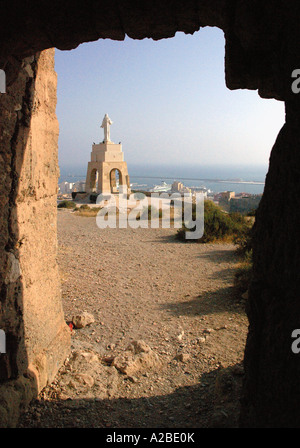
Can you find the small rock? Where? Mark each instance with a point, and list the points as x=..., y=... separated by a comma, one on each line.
x=63, y=397
x=108, y=359
x=138, y=357
x=180, y=336
x=85, y=379
x=138, y=347
x=183, y=357
x=111, y=346
x=133, y=379
x=81, y=320
x=72, y=385
x=201, y=340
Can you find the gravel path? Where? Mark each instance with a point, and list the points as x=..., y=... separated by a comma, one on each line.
x=143, y=284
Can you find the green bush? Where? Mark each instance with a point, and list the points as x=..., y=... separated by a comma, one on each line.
x=218, y=225
x=243, y=275
x=252, y=212
x=244, y=242
x=85, y=210
x=66, y=204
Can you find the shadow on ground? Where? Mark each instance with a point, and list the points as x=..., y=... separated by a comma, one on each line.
x=224, y=299
x=214, y=402
x=166, y=239
x=214, y=256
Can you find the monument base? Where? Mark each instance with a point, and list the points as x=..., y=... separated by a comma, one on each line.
x=107, y=160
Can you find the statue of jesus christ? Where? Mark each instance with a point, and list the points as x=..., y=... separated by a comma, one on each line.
x=106, y=126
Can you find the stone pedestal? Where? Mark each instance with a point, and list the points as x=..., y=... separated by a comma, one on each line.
x=106, y=159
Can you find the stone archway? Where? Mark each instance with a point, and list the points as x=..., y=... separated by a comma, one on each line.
x=116, y=180
x=262, y=51
x=94, y=177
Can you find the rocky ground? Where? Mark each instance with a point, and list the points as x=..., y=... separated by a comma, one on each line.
x=164, y=346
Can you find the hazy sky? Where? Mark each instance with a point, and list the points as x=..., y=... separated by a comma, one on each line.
x=167, y=100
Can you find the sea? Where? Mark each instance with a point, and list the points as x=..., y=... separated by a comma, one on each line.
x=240, y=179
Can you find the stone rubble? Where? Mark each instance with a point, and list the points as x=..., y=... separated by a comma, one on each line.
x=83, y=319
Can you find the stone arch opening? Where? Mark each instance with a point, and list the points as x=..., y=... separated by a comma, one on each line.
x=116, y=180
x=262, y=50
x=94, y=180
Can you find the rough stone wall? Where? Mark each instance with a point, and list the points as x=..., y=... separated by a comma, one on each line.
x=30, y=308
x=262, y=50
x=272, y=388
x=253, y=29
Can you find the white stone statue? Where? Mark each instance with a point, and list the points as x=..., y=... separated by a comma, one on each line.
x=106, y=126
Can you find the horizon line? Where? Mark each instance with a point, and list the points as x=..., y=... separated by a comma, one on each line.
x=218, y=180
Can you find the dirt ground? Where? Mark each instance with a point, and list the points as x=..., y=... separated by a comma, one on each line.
x=144, y=285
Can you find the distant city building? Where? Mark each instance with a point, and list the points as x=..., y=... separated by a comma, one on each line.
x=79, y=186
x=178, y=187
x=227, y=195
x=70, y=187
x=65, y=187
x=245, y=204
x=203, y=192
x=224, y=199
x=240, y=202
x=242, y=195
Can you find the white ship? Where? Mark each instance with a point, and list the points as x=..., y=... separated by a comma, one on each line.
x=161, y=188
